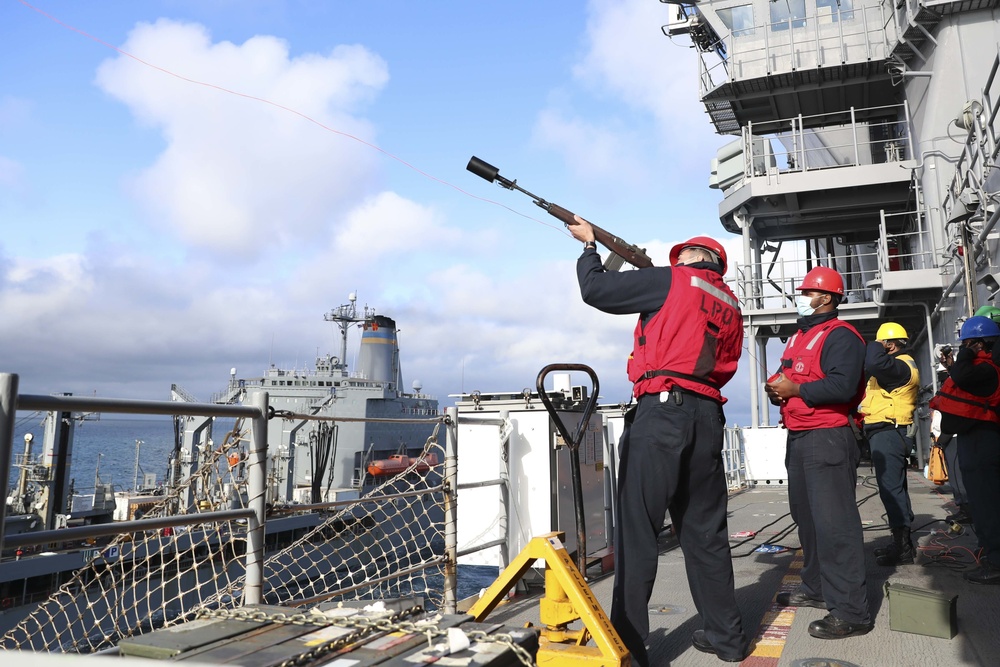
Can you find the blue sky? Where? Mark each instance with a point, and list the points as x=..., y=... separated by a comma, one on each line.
x=166, y=220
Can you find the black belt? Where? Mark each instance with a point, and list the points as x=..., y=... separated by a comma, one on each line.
x=879, y=426
x=649, y=375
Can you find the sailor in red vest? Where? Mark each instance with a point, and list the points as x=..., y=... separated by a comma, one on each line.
x=820, y=384
x=687, y=343
x=968, y=401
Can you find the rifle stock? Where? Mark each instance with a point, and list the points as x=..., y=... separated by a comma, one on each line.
x=621, y=250
x=630, y=253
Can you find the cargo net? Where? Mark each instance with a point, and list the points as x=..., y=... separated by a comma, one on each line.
x=389, y=543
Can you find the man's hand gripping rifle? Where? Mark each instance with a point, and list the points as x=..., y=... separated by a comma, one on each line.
x=621, y=251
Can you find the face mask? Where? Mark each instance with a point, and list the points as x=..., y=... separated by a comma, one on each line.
x=803, y=305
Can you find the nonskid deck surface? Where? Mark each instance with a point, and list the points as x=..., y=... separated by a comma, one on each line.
x=760, y=576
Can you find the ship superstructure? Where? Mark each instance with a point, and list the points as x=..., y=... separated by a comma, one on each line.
x=864, y=139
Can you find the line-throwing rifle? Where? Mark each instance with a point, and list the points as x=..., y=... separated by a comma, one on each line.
x=621, y=250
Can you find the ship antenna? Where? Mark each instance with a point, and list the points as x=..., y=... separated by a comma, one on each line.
x=344, y=317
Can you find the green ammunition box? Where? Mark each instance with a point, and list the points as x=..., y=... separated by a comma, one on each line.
x=921, y=611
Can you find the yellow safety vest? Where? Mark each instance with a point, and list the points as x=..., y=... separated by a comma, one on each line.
x=894, y=406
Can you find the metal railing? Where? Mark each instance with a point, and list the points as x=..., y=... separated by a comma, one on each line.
x=827, y=141
x=733, y=458
x=772, y=284
x=252, y=515
x=906, y=250
x=11, y=401
x=813, y=41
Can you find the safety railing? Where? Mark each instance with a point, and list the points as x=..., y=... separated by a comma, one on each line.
x=126, y=577
x=772, y=284
x=822, y=38
x=827, y=141
x=911, y=250
x=733, y=458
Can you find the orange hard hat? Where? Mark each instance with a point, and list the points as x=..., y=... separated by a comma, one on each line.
x=706, y=242
x=823, y=279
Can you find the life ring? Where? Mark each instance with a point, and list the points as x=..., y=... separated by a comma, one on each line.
x=6, y=603
x=234, y=459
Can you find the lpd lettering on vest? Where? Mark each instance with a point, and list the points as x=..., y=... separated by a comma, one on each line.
x=715, y=308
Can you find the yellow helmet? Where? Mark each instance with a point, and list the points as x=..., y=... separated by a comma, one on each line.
x=891, y=331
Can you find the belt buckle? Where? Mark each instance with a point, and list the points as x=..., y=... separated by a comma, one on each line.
x=674, y=393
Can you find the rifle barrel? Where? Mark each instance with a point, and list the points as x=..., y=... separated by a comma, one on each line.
x=632, y=254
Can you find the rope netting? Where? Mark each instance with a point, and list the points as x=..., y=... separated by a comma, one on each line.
x=387, y=543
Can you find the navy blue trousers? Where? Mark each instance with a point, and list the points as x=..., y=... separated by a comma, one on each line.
x=822, y=476
x=890, y=457
x=671, y=460
x=955, y=480
x=979, y=457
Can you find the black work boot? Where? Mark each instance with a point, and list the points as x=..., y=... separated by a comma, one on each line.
x=961, y=515
x=900, y=552
x=882, y=551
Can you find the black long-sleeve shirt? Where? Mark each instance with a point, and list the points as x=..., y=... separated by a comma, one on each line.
x=888, y=370
x=621, y=293
x=841, y=360
x=977, y=379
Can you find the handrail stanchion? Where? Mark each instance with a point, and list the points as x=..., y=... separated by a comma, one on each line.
x=573, y=442
x=504, y=521
x=253, y=592
x=8, y=413
x=451, y=511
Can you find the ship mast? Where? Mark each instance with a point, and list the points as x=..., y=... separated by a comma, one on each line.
x=345, y=316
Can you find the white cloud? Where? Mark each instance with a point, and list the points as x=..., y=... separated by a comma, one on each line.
x=387, y=225
x=238, y=175
x=39, y=294
x=629, y=57
x=654, y=129
x=493, y=334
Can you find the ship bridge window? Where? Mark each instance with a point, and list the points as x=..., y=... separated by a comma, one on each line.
x=785, y=12
x=739, y=19
x=831, y=11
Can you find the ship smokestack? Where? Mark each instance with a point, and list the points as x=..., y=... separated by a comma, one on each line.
x=379, y=357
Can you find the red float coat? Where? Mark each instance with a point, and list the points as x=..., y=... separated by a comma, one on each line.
x=693, y=342
x=955, y=401
x=801, y=363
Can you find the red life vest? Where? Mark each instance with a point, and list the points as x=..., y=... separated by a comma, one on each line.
x=801, y=363
x=693, y=342
x=955, y=401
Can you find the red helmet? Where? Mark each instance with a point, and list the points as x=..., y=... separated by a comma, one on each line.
x=823, y=279
x=706, y=242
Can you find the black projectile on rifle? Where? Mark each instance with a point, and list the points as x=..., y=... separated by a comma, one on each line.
x=621, y=251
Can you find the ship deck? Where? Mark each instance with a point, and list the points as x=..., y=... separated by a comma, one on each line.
x=760, y=576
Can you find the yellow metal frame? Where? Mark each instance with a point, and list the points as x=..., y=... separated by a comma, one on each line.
x=567, y=599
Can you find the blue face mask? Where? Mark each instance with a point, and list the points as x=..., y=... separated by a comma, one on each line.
x=803, y=305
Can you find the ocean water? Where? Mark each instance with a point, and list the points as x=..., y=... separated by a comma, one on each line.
x=104, y=449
